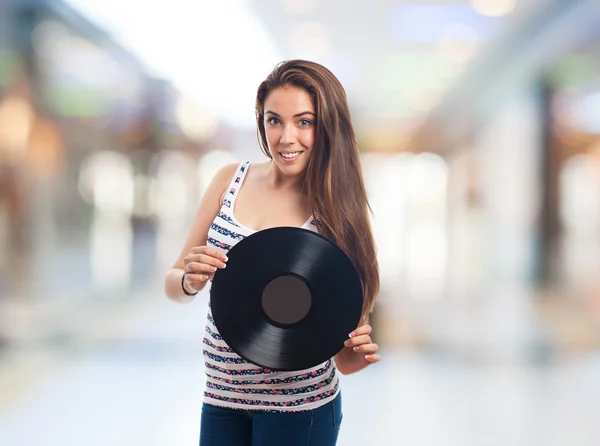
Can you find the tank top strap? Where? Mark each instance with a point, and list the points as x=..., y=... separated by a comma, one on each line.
x=236, y=183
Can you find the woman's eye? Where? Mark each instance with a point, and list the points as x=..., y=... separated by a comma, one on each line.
x=304, y=122
x=273, y=121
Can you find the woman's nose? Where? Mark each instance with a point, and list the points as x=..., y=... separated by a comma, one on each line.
x=288, y=136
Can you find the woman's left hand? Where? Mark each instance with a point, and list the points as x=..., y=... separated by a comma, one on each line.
x=359, y=351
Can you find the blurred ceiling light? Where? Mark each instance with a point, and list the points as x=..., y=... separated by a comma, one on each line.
x=195, y=120
x=459, y=42
x=16, y=120
x=303, y=7
x=87, y=64
x=48, y=38
x=310, y=40
x=95, y=67
x=106, y=181
x=426, y=178
x=494, y=8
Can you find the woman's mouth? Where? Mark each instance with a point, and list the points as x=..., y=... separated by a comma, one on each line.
x=290, y=156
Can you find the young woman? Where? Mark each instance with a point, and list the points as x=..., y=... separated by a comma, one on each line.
x=312, y=180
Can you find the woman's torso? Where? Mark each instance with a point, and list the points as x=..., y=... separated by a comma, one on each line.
x=231, y=380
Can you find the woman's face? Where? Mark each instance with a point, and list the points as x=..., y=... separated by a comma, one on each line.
x=290, y=121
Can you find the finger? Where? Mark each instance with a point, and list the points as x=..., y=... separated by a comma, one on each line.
x=373, y=358
x=358, y=340
x=362, y=330
x=199, y=268
x=211, y=251
x=214, y=261
x=207, y=259
x=191, y=278
x=366, y=348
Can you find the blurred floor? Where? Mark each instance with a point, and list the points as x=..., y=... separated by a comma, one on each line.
x=133, y=375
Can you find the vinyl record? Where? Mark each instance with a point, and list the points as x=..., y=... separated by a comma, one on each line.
x=287, y=299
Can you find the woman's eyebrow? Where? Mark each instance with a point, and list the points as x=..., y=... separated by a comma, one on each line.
x=295, y=116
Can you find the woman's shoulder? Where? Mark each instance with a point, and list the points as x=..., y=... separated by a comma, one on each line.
x=222, y=177
x=226, y=172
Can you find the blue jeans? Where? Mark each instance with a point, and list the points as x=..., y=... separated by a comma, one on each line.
x=233, y=427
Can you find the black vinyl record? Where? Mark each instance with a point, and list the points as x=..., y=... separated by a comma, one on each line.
x=287, y=299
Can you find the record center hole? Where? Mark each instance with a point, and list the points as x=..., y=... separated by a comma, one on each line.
x=286, y=299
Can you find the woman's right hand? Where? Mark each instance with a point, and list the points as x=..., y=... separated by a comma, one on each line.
x=200, y=265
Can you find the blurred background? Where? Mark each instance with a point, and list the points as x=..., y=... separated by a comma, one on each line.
x=479, y=125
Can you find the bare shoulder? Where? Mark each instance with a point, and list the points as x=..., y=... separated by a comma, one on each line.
x=225, y=173
x=220, y=181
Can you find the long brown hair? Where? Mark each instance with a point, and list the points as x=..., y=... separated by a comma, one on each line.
x=334, y=181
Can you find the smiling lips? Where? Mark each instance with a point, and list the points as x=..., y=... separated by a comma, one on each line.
x=290, y=156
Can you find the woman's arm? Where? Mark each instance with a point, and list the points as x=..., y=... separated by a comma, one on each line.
x=207, y=210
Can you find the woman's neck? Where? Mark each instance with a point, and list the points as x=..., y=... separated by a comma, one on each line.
x=277, y=180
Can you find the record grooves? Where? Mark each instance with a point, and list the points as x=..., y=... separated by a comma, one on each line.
x=287, y=299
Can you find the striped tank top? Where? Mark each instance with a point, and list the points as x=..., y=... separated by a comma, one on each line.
x=233, y=382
